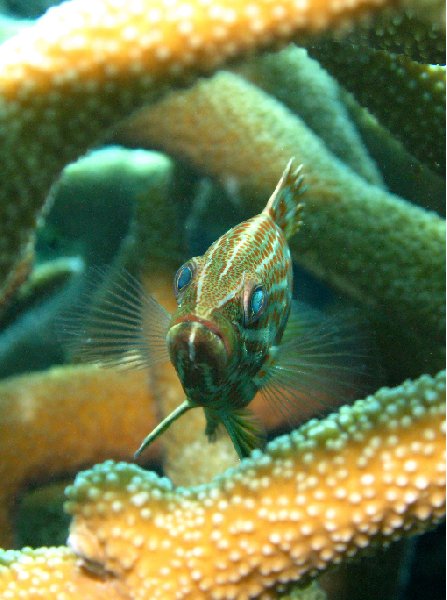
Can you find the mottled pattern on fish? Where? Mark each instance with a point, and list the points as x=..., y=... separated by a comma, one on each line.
x=251, y=258
x=256, y=251
x=233, y=305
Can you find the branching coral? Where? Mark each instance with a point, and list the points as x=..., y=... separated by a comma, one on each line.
x=308, y=91
x=401, y=172
x=409, y=32
x=402, y=82
x=402, y=53
x=239, y=534
x=369, y=474
x=85, y=65
x=81, y=401
x=65, y=577
x=393, y=257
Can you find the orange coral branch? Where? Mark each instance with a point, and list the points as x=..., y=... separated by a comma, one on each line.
x=66, y=580
x=370, y=473
x=58, y=421
x=367, y=475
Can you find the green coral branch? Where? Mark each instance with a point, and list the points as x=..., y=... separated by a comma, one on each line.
x=380, y=249
x=405, y=96
x=401, y=32
x=302, y=85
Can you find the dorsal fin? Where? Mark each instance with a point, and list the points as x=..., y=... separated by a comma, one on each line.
x=284, y=206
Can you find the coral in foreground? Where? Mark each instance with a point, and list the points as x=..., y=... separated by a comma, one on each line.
x=367, y=475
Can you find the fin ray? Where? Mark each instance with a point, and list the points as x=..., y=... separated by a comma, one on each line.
x=321, y=362
x=245, y=431
x=122, y=327
x=283, y=205
x=163, y=425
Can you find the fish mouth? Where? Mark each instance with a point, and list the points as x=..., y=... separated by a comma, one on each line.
x=199, y=351
x=210, y=326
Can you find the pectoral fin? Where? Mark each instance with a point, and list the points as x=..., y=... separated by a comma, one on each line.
x=117, y=325
x=322, y=361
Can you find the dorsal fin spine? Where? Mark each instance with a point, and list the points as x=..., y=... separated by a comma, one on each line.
x=284, y=206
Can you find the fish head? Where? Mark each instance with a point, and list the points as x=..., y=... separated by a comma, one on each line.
x=201, y=340
x=233, y=304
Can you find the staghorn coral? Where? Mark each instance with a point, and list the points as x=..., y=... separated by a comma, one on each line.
x=110, y=177
x=389, y=50
x=369, y=474
x=69, y=561
x=76, y=227
x=402, y=83
x=429, y=11
x=301, y=84
x=83, y=66
x=401, y=172
x=401, y=32
x=393, y=257
x=66, y=578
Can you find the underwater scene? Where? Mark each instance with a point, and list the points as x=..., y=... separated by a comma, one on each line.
x=222, y=299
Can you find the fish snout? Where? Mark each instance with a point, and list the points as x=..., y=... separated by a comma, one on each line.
x=199, y=351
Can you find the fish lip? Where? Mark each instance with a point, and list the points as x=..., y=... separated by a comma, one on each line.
x=209, y=325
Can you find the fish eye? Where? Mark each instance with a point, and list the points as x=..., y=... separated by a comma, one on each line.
x=255, y=304
x=183, y=278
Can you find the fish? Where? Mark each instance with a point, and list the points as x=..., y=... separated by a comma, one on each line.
x=226, y=339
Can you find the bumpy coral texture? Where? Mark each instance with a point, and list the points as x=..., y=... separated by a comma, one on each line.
x=393, y=257
x=56, y=76
x=82, y=400
x=366, y=475
x=409, y=32
x=403, y=82
x=302, y=85
x=383, y=459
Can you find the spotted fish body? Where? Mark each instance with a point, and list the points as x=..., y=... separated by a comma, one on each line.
x=232, y=313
